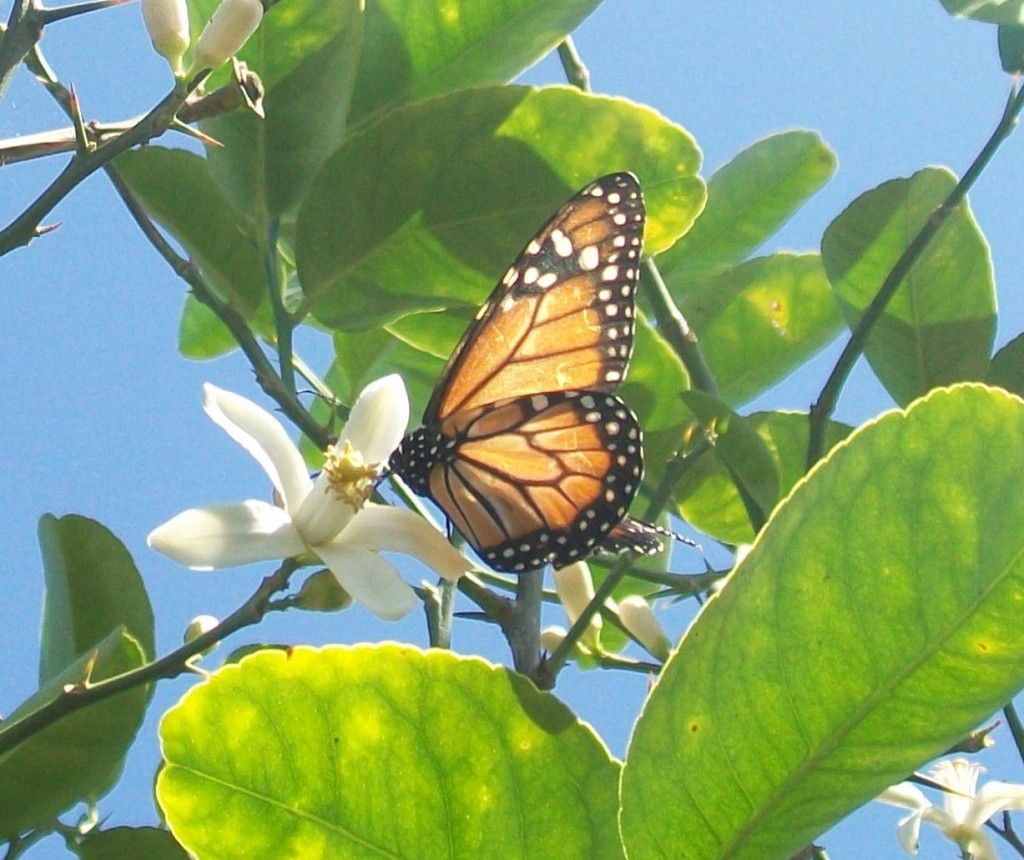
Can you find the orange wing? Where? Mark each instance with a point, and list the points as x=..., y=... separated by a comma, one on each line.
x=562, y=316
x=541, y=479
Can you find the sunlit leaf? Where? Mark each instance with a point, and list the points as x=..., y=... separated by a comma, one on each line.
x=760, y=320
x=939, y=326
x=383, y=751
x=874, y=623
x=390, y=229
x=749, y=199
x=415, y=49
x=306, y=52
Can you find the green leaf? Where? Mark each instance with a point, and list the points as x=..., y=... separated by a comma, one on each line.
x=745, y=456
x=201, y=334
x=121, y=842
x=873, y=624
x=92, y=589
x=416, y=49
x=656, y=377
x=990, y=11
x=707, y=495
x=749, y=198
x=176, y=189
x=364, y=357
x=1011, y=48
x=1007, y=368
x=306, y=52
x=389, y=228
x=79, y=757
x=760, y=320
x=940, y=324
x=382, y=751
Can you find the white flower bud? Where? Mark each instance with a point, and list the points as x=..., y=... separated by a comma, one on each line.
x=551, y=638
x=639, y=619
x=197, y=627
x=576, y=589
x=167, y=25
x=233, y=22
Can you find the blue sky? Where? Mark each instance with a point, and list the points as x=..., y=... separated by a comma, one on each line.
x=103, y=418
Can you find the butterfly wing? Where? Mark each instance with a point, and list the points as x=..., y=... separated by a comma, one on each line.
x=542, y=479
x=561, y=318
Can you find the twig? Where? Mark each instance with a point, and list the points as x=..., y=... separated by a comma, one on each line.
x=1015, y=726
x=825, y=405
x=25, y=227
x=673, y=325
x=77, y=696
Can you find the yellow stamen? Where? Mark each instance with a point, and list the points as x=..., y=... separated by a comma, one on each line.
x=350, y=478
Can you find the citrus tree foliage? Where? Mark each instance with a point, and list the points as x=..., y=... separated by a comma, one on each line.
x=369, y=171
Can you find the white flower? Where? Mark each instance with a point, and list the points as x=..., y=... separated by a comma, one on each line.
x=329, y=518
x=639, y=619
x=964, y=813
x=167, y=25
x=233, y=22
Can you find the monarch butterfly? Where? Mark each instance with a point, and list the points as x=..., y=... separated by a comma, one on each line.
x=522, y=444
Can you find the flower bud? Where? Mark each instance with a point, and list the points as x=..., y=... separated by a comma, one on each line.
x=167, y=25
x=322, y=593
x=551, y=638
x=233, y=22
x=576, y=589
x=197, y=627
x=639, y=619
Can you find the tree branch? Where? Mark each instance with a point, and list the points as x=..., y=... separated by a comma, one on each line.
x=77, y=696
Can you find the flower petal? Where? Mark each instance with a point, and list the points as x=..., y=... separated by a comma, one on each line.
x=379, y=528
x=908, y=831
x=378, y=419
x=227, y=535
x=995, y=796
x=322, y=514
x=370, y=580
x=904, y=794
x=262, y=435
x=981, y=847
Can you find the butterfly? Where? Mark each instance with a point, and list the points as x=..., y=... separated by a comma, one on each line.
x=523, y=444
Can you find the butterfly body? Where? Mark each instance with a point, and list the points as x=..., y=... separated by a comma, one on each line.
x=523, y=444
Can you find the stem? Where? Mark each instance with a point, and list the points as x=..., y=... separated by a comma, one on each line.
x=445, y=614
x=25, y=227
x=49, y=16
x=266, y=375
x=522, y=625
x=826, y=402
x=282, y=320
x=1015, y=726
x=673, y=325
x=671, y=322
x=576, y=72
x=75, y=697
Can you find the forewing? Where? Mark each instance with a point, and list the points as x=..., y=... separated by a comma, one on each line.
x=561, y=318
